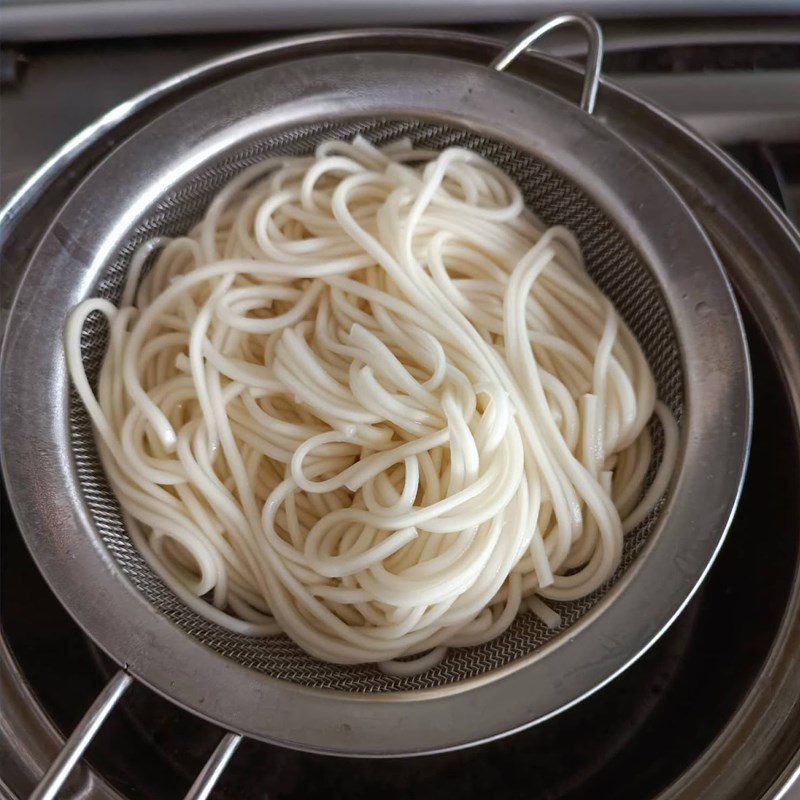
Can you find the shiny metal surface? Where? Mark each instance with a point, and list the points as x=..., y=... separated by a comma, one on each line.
x=28, y=741
x=716, y=426
x=49, y=787
x=760, y=251
x=119, y=76
x=202, y=787
x=758, y=753
x=594, y=57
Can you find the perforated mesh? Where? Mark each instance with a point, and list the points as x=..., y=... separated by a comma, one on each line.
x=611, y=260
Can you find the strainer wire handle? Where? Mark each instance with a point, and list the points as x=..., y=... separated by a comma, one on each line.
x=215, y=766
x=594, y=57
x=85, y=731
x=81, y=737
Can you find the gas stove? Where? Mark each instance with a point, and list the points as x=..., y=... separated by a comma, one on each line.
x=651, y=730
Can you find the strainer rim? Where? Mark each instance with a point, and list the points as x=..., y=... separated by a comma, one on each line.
x=508, y=87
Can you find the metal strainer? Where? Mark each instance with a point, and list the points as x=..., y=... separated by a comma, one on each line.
x=641, y=245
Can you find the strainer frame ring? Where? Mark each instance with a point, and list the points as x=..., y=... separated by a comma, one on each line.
x=55, y=524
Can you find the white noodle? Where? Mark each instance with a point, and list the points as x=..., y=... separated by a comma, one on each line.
x=370, y=401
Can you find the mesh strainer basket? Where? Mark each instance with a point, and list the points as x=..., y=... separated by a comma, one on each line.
x=642, y=247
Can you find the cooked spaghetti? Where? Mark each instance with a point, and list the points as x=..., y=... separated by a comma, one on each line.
x=372, y=402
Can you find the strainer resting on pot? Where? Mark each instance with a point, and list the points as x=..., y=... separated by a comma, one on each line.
x=641, y=246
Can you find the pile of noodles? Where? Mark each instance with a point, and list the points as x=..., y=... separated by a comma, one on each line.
x=372, y=402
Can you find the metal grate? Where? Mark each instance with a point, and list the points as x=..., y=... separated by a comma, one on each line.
x=610, y=258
